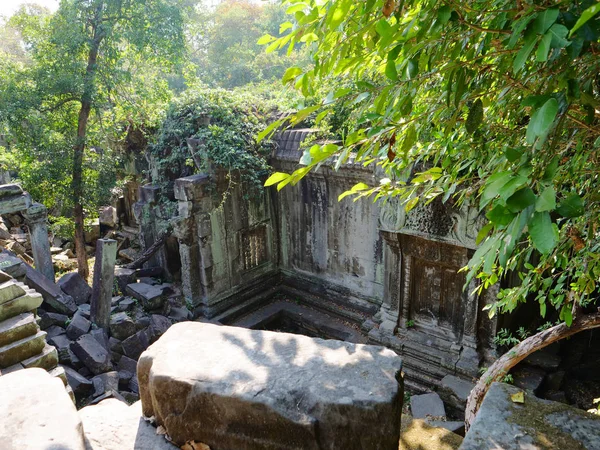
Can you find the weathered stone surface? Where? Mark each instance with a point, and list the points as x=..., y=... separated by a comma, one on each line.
x=101, y=335
x=50, y=291
x=48, y=319
x=22, y=349
x=127, y=364
x=237, y=388
x=74, y=285
x=8, y=190
x=417, y=434
x=158, y=326
x=121, y=326
x=37, y=413
x=15, y=203
x=102, y=288
x=106, y=382
x=134, y=345
x=112, y=425
x=108, y=216
x=17, y=328
x=528, y=377
x=93, y=355
x=46, y=359
x=80, y=384
x=427, y=405
x=11, y=265
x=124, y=378
x=127, y=304
x=78, y=327
x=84, y=310
x=11, y=290
x=457, y=387
x=19, y=305
x=124, y=277
x=54, y=330
x=543, y=360
x=151, y=297
x=537, y=424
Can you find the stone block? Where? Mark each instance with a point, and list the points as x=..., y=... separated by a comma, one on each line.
x=47, y=359
x=127, y=304
x=124, y=277
x=427, y=405
x=50, y=291
x=536, y=424
x=108, y=216
x=22, y=349
x=54, y=330
x=544, y=360
x=80, y=384
x=150, y=297
x=59, y=372
x=124, y=378
x=74, y=285
x=37, y=413
x=10, y=290
x=457, y=387
x=17, y=328
x=106, y=382
x=158, y=326
x=101, y=335
x=15, y=203
x=121, y=326
x=528, y=377
x=25, y=303
x=134, y=345
x=113, y=425
x=78, y=327
x=127, y=364
x=11, y=265
x=232, y=387
x=9, y=190
x=92, y=354
x=48, y=319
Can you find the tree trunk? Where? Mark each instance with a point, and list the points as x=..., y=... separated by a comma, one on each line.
x=79, y=148
x=519, y=352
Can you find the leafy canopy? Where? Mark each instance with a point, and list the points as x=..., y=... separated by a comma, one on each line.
x=494, y=104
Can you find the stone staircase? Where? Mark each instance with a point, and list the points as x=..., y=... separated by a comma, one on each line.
x=22, y=343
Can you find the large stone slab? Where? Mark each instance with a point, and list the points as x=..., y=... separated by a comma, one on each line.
x=534, y=425
x=52, y=294
x=17, y=328
x=37, y=413
x=93, y=355
x=22, y=349
x=234, y=388
x=74, y=285
x=113, y=425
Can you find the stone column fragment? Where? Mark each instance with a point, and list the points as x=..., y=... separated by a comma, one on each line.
x=102, y=288
x=36, y=216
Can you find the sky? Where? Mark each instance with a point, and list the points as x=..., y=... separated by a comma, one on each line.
x=8, y=7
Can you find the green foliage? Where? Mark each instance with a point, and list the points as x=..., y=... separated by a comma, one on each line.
x=62, y=227
x=225, y=124
x=497, y=102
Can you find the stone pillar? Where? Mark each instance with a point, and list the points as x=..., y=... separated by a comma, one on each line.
x=36, y=216
x=102, y=287
x=390, y=308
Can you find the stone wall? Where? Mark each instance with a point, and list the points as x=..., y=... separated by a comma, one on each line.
x=328, y=247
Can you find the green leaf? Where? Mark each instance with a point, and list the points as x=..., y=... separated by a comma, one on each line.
x=409, y=140
x=411, y=204
x=572, y=206
x=524, y=53
x=512, y=154
x=475, y=116
x=521, y=200
x=412, y=68
x=493, y=185
x=559, y=33
x=291, y=74
x=551, y=170
x=499, y=215
x=543, y=49
x=514, y=183
x=296, y=8
x=587, y=15
x=384, y=29
x=545, y=20
x=544, y=234
x=277, y=177
x=444, y=14
x=265, y=39
x=390, y=70
x=546, y=201
x=566, y=314
x=541, y=120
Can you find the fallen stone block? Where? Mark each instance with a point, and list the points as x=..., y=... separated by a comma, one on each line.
x=15, y=203
x=17, y=328
x=127, y=364
x=74, y=285
x=124, y=378
x=427, y=405
x=121, y=326
x=113, y=425
x=80, y=384
x=11, y=265
x=151, y=297
x=233, y=388
x=92, y=354
x=37, y=413
x=78, y=327
x=158, y=326
x=51, y=293
x=108, y=216
x=528, y=377
x=48, y=319
x=54, y=330
x=134, y=345
x=22, y=349
x=124, y=277
x=8, y=190
x=10, y=290
x=105, y=382
x=535, y=424
x=127, y=304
